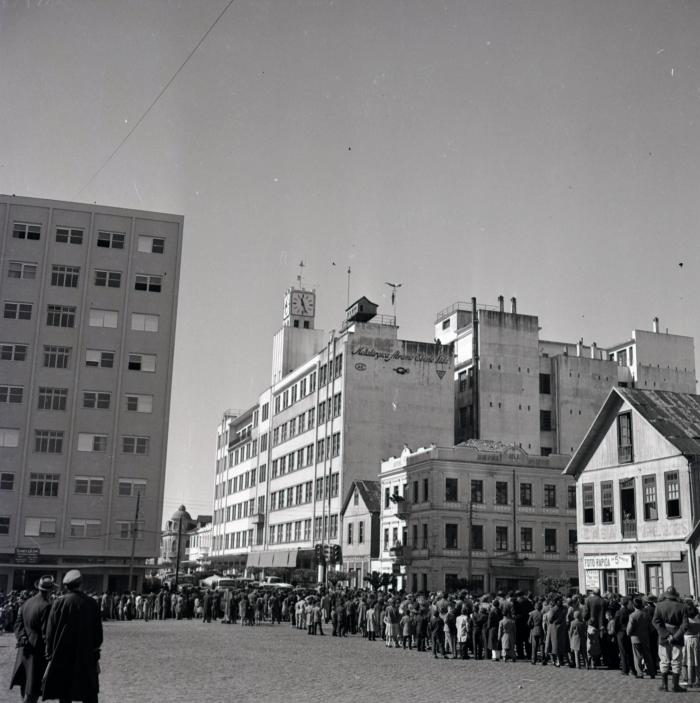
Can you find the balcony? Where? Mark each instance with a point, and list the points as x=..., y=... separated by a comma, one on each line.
x=256, y=519
x=401, y=553
x=629, y=529
x=401, y=506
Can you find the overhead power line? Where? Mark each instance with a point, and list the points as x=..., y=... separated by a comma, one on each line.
x=155, y=100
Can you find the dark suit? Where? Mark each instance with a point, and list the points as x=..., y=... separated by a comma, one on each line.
x=535, y=623
x=594, y=609
x=29, y=631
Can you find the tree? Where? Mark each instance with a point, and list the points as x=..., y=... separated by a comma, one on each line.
x=374, y=579
x=554, y=584
x=336, y=576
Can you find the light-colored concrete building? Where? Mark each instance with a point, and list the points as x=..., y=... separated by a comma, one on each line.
x=485, y=514
x=360, y=516
x=637, y=473
x=338, y=402
x=89, y=301
x=540, y=394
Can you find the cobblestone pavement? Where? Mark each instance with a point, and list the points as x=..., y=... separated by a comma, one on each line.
x=193, y=662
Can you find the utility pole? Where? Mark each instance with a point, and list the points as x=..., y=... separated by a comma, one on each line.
x=177, y=558
x=469, y=545
x=134, y=532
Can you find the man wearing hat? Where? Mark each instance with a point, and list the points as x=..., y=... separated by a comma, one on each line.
x=29, y=631
x=73, y=641
x=671, y=622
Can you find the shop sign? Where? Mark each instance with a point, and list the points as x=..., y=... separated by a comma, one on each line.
x=26, y=555
x=592, y=580
x=608, y=561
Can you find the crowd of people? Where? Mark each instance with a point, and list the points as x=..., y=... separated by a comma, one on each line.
x=640, y=636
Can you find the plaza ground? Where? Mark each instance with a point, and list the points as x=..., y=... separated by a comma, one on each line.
x=190, y=662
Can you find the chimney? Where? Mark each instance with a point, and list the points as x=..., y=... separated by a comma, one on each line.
x=513, y=305
x=501, y=304
x=579, y=347
x=655, y=325
x=565, y=350
x=594, y=350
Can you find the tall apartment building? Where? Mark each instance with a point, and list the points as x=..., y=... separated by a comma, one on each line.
x=89, y=300
x=512, y=386
x=336, y=405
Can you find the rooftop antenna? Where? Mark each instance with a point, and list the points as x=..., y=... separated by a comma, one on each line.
x=394, y=287
x=349, y=272
x=301, y=270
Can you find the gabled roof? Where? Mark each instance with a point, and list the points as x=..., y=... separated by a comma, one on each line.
x=361, y=299
x=370, y=492
x=676, y=416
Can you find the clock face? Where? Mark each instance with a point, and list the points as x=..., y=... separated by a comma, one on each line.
x=303, y=303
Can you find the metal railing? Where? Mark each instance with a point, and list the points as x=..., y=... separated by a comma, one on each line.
x=629, y=529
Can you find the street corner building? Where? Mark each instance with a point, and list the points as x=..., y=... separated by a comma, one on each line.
x=637, y=472
x=337, y=403
x=89, y=301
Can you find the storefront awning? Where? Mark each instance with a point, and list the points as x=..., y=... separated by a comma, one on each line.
x=286, y=558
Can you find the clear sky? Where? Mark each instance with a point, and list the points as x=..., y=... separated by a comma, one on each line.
x=543, y=149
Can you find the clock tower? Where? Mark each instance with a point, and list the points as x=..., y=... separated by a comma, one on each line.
x=299, y=308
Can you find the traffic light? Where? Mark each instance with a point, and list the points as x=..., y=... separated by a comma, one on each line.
x=336, y=554
x=318, y=550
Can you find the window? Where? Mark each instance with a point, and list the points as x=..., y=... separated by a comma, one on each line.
x=103, y=318
x=69, y=235
x=17, y=311
x=11, y=394
x=673, y=494
x=446, y=324
x=526, y=494
x=21, y=269
x=45, y=485
x=52, y=398
x=7, y=481
x=426, y=490
x=110, y=240
x=425, y=536
x=350, y=528
x=545, y=420
x=571, y=497
x=9, y=351
x=387, y=496
x=131, y=487
x=9, y=437
x=606, y=502
x=48, y=441
x=320, y=449
x=23, y=230
x=450, y=536
x=88, y=442
x=39, y=527
x=477, y=491
x=550, y=540
x=4, y=525
x=311, y=418
x=134, y=445
x=588, y=504
x=337, y=404
x=85, y=528
x=550, y=495
x=148, y=282
x=573, y=539
x=624, y=438
x=88, y=485
x=139, y=403
x=265, y=411
x=462, y=378
x=97, y=358
x=545, y=451
x=129, y=529
x=525, y=539
x=141, y=322
x=321, y=412
x=108, y=279
x=501, y=538
x=451, y=490
x=96, y=400
x=334, y=485
x=309, y=454
x=650, y=506
x=151, y=245
x=142, y=362
x=336, y=444
x=60, y=315
x=65, y=276
x=501, y=493
x=56, y=357
x=545, y=384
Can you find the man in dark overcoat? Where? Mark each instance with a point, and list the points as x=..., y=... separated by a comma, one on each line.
x=73, y=641
x=29, y=631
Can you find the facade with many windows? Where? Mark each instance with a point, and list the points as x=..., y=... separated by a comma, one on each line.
x=483, y=513
x=638, y=484
x=88, y=296
x=336, y=406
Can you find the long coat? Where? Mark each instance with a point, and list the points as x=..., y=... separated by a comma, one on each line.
x=29, y=631
x=73, y=641
x=492, y=623
x=556, y=632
